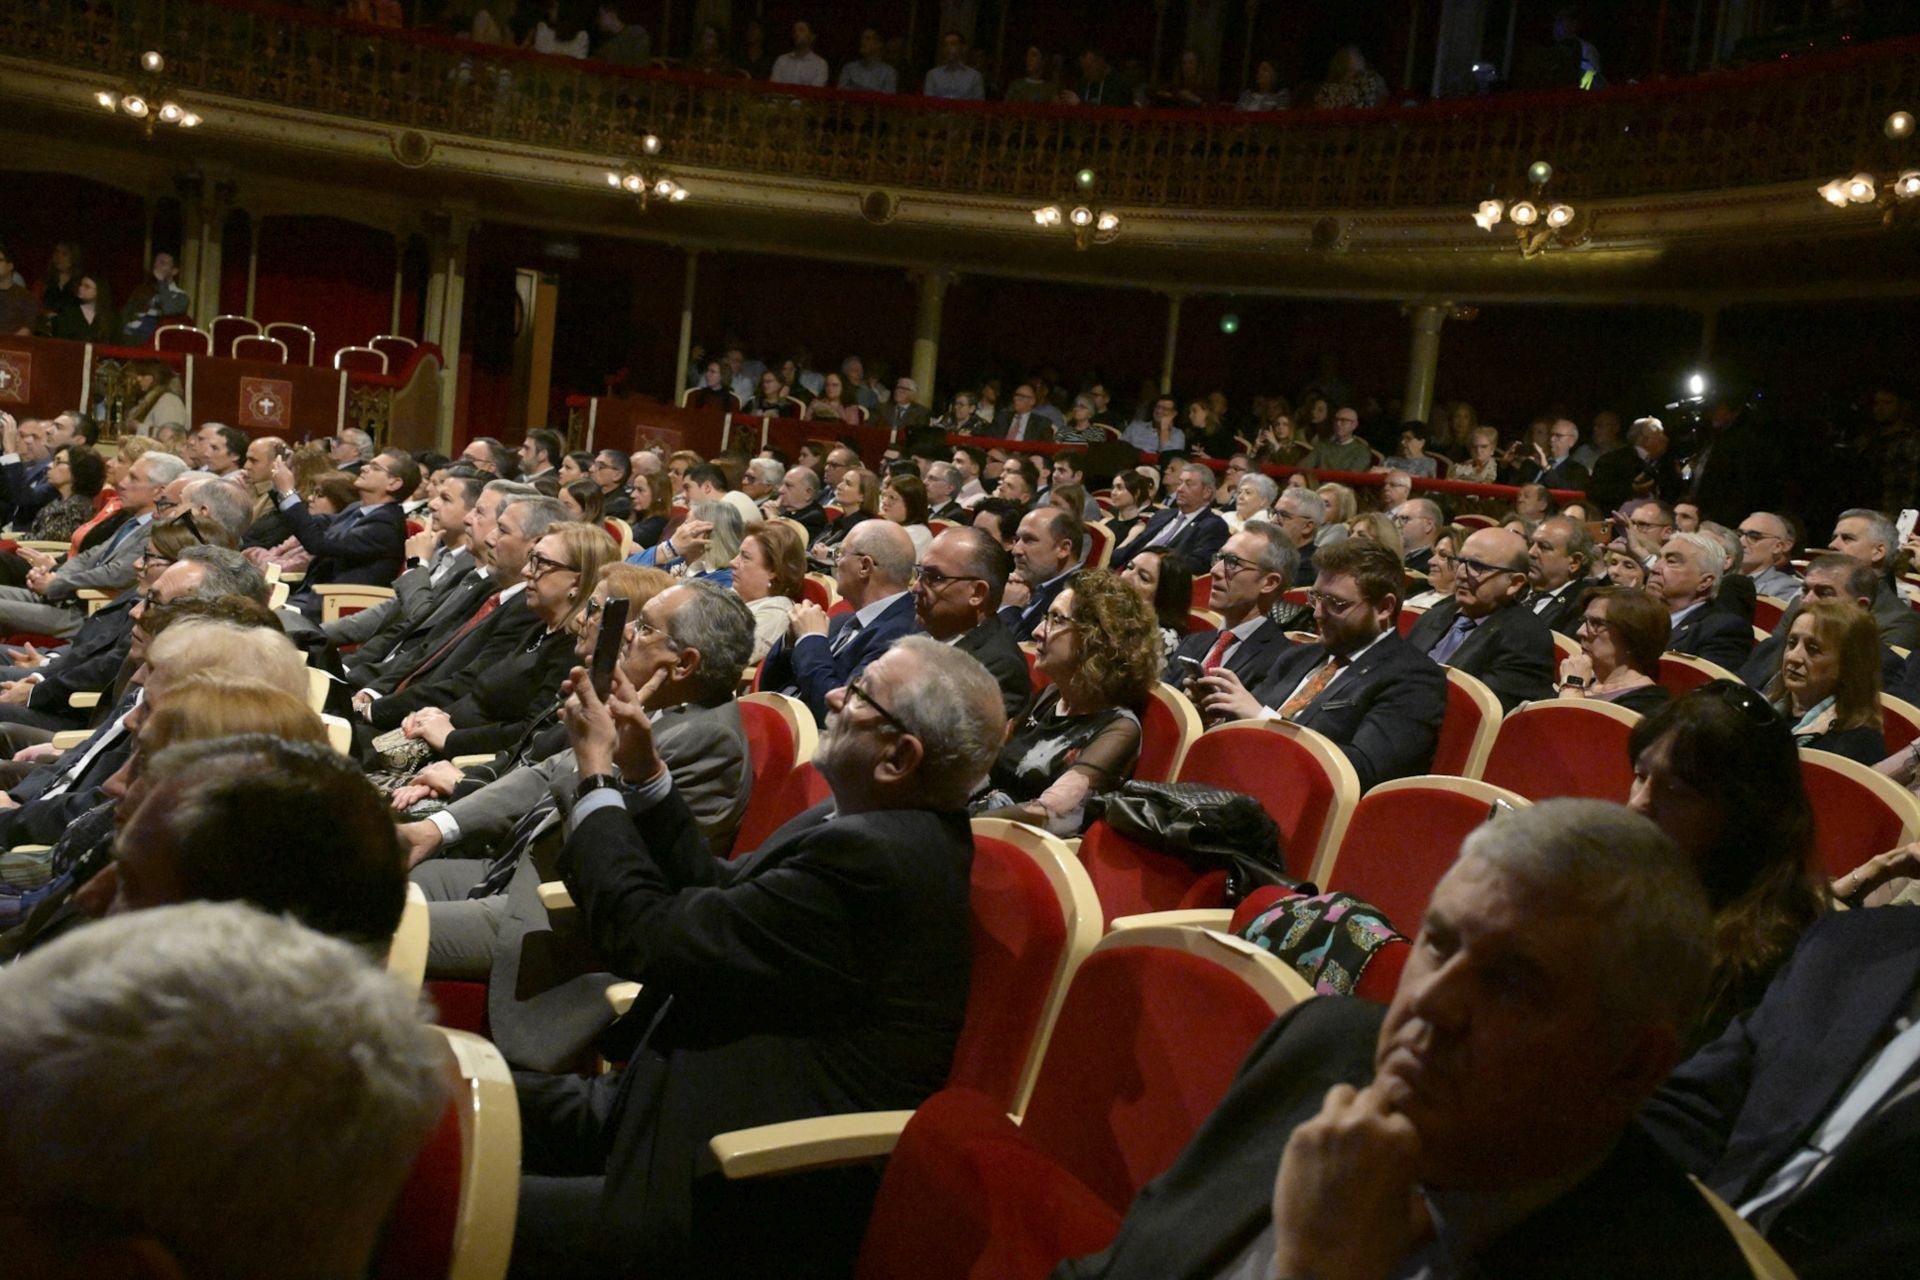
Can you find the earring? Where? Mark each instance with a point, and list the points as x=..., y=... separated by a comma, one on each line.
x=573, y=594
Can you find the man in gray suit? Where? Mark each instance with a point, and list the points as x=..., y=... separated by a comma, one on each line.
x=486, y=918
x=50, y=602
x=421, y=589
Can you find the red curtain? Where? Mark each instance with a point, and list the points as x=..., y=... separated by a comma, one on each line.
x=332, y=275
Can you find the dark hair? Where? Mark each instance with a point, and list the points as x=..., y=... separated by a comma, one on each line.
x=401, y=466
x=548, y=444
x=581, y=459
x=786, y=553
x=336, y=863
x=617, y=459
x=975, y=452
x=336, y=487
x=1640, y=623
x=1173, y=593
x=593, y=503
x=1138, y=485
x=1418, y=430
x=471, y=482
x=85, y=427
x=1730, y=747
x=430, y=461
x=913, y=493
x=88, y=469
x=709, y=473
x=1006, y=514
x=1374, y=568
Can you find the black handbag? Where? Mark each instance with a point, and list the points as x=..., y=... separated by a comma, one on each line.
x=1208, y=828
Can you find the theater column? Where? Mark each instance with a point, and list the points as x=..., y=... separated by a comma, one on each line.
x=685, y=354
x=1173, y=342
x=926, y=332
x=446, y=301
x=1424, y=361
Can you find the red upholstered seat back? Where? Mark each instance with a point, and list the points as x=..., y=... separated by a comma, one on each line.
x=1159, y=743
x=418, y=1244
x=1381, y=977
x=1561, y=748
x=1282, y=775
x=1146, y=1045
x=1130, y=878
x=1457, y=729
x=770, y=752
x=1399, y=845
x=1850, y=822
x=1018, y=933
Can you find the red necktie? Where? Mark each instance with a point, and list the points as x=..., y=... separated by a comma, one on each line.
x=1219, y=651
x=493, y=602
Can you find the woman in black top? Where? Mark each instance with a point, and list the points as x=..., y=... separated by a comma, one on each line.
x=1622, y=634
x=1828, y=684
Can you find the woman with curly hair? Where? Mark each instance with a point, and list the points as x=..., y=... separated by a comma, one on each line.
x=1082, y=735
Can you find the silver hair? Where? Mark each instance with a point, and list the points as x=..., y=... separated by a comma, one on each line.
x=1615, y=867
x=1642, y=428
x=1312, y=505
x=538, y=515
x=1879, y=528
x=163, y=468
x=718, y=624
x=1268, y=490
x=946, y=473
x=231, y=509
x=1580, y=543
x=225, y=572
x=358, y=439
x=728, y=528
x=1729, y=541
x=767, y=470
x=509, y=490
x=1709, y=556
x=193, y=645
x=1277, y=552
x=1431, y=510
x=890, y=547
x=230, y=1082
x=808, y=477
x=955, y=707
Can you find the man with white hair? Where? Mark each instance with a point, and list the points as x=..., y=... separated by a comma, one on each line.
x=197, y=1090
x=1638, y=468
x=1868, y=536
x=1299, y=512
x=1685, y=575
x=351, y=449
x=944, y=483
x=1395, y=488
x=761, y=479
x=1484, y=1123
x=798, y=499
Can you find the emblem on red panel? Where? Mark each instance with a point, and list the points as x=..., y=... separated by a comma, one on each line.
x=16, y=376
x=266, y=403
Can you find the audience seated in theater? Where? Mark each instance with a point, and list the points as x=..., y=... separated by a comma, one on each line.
x=584, y=502
x=218, y=448
x=49, y=603
x=1702, y=766
x=999, y=518
x=429, y=579
x=1250, y=574
x=365, y=542
x=149, y=1065
x=825, y=973
x=157, y=299
x=1343, y=450
x=957, y=588
x=1048, y=546
x=713, y=392
x=1441, y=578
x=539, y=455
x=1827, y=687
x=492, y=457
x=610, y=472
x=1082, y=734
x=1253, y=499
x=89, y=315
x=798, y=499
x=498, y=701
x=1375, y=695
x=1188, y=526
x=1485, y=630
x=1685, y=574
x=857, y=493
x=1131, y=497
x=953, y=78
x=1767, y=544
x=1870, y=537
x=221, y=510
x=1301, y=514
x=1795, y=1116
x=1622, y=633
x=76, y=476
x=651, y=500
x=702, y=548
x=503, y=837
x=873, y=571
x=903, y=500
x=1376, y=526
x=29, y=446
x=835, y=403
x=769, y=575
x=1561, y=560
x=1483, y=1124
x=1420, y=522
x=1342, y=505
x=1161, y=432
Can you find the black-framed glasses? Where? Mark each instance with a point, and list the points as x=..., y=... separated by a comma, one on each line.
x=1750, y=704
x=1594, y=622
x=836, y=556
x=932, y=579
x=1477, y=569
x=1231, y=563
x=855, y=689
x=593, y=607
x=538, y=566
x=1756, y=535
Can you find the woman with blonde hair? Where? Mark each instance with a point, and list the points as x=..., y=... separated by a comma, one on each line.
x=769, y=576
x=1082, y=736
x=1342, y=506
x=1827, y=688
x=1377, y=526
x=858, y=497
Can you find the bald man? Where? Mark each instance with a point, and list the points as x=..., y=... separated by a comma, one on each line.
x=1483, y=631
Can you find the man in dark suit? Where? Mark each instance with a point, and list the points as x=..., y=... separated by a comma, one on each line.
x=1250, y=574
x=1419, y=521
x=819, y=654
x=1686, y=575
x=944, y=482
x=1048, y=546
x=364, y=544
x=1483, y=1124
x=1020, y=422
x=1870, y=537
x=957, y=589
x=1834, y=578
x=1188, y=526
x=1372, y=693
x=1559, y=470
x=1637, y=469
x=1801, y=1115
x=421, y=589
x=1485, y=630
x=1561, y=558
x=799, y=499
x=825, y=973
x=901, y=412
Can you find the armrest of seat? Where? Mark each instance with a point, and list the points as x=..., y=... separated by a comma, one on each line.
x=467, y=762
x=1203, y=917
x=68, y=739
x=795, y=1146
x=82, y=701
x=621, y=995
x=554, y=896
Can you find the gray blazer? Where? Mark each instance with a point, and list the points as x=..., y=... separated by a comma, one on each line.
x=545, y=995
x=378, y=629
x=96, y=568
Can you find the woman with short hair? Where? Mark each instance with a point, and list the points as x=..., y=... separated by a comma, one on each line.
x=1623, y=631
x=769, y=576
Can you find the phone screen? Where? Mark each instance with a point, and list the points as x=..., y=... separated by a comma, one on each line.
x=1191, y=666
x=606, y=650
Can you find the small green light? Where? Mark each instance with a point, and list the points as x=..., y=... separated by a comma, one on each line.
x=1230, y=323
x=1539, y=173
x=1084, y=178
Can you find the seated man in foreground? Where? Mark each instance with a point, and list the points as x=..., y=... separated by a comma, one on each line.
x=1483, y=1124
x=826, y=973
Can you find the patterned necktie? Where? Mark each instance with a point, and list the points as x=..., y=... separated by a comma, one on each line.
x=845, y=638
x=480, y=615
x=1219, y=651
x=1312, y=689
x=1170, y=531
x=533, y=824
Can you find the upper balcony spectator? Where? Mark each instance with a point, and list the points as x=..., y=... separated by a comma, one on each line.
x=870, y=73
x=1350, y=82
x=623, y=43
x=1099, y=85
x=953, y=78
x=801, y=65
x=1266, y=94
x=18, y=311
x=1034, y=84
x=709, y=56
x=560, y=32
x=157, y=298
x=1188, y=88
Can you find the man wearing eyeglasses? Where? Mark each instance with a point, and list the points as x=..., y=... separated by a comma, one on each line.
x=1485, y=630
x=824, y=973
x=1833, y=578
x=1686, y=575
x=1377, y=697
x=1250, y=574
x=818, y=654
x=1766, y=548
x=364, y=544
x=957, y=588
x=1419, y=521
x=1560, y=559
x=1649, y=524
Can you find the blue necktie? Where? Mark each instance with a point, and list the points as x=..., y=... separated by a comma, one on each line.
x=1456, y=636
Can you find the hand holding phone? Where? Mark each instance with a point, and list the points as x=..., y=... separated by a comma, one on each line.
x=606, y=649
x=1194, y=670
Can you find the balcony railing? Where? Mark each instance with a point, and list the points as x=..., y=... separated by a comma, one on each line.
x=1800, y=122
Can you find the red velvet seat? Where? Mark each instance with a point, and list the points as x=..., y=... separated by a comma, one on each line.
x=781, y=736
x=1857, y=812
x=1565, y=747
x=1467, y=730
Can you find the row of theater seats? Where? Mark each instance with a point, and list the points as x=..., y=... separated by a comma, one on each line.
x=282, y=342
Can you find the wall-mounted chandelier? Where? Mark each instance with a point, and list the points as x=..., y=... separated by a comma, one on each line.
x=1893, y=190
x=1089, y=223
x=644, y=180
x=1538, y=223
x=149, y=98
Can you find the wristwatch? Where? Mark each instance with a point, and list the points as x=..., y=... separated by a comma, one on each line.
x=1574, y=682
x=595, y=782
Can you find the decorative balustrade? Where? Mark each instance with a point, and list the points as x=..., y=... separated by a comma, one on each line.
x=1795, y=122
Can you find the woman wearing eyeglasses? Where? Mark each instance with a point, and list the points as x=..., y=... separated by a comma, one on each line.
x=508, y=694
x=1828, y=684
x=1719, y=773
x=1082, y=734
x=1622, y=634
